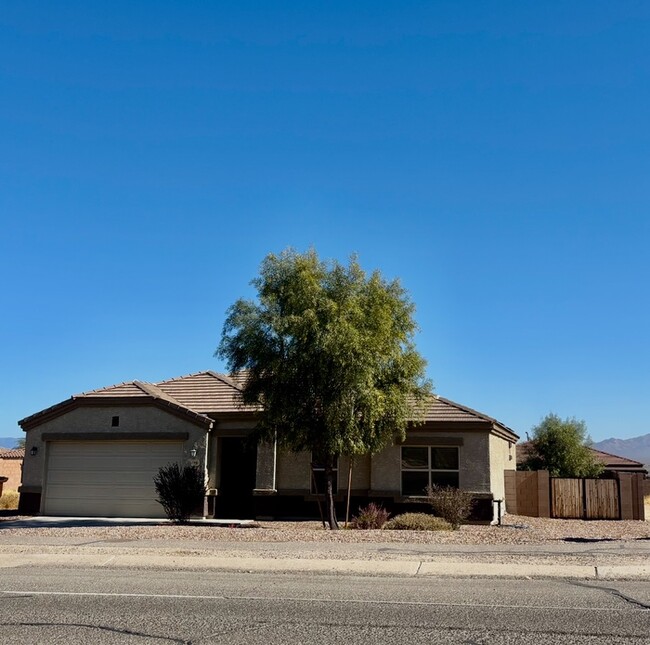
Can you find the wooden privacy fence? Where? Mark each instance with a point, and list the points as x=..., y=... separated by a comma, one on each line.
x=535, y=494
x=591, y=499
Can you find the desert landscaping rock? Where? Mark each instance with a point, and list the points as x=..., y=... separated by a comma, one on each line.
x=515, y=530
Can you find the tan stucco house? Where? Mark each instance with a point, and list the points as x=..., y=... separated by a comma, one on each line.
x=11, y=466
x=96, y=453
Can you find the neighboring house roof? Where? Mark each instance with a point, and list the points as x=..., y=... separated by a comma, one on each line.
x=209, y=392
x=609, y=461
x=12, y=453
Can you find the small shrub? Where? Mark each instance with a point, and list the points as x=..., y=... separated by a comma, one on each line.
x=373, y=516
x=180, y=490
x=451, y=504
x=9, y=500
x=417, y=522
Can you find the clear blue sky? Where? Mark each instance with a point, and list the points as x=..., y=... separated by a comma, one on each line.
x=495, y=156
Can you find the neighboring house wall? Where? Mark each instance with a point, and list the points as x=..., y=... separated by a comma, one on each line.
x=12, y=469
x=80, y=422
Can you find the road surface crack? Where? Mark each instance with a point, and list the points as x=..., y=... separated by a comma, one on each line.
x=116, y=630
x=611, y=591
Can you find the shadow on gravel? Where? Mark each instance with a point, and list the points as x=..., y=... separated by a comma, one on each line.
x=583, y=540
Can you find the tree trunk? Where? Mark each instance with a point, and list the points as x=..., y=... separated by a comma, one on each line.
x=329, y=494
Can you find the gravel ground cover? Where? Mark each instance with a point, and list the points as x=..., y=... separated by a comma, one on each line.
x=515, y=530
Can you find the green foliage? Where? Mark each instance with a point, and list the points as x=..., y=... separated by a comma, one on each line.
x=373, y=516
x=180, y=490
x=9, y=500
x=562, y=447
x=330, y=356
x=417, y=522
x=451, y=504
x=20, y=444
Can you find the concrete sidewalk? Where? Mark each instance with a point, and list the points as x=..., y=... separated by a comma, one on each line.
x=582, y=559
x=119, y=558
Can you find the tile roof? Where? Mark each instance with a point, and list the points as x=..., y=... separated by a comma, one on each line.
x=203, y=393
x=610, y=460
x=444, y=410
x=131, y=388
x=605, y=458
x=12, y=453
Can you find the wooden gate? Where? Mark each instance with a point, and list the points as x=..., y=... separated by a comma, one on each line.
x=591, y=499
x=601, y=499
x=567, y=498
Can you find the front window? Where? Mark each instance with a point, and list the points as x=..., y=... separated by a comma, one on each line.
x=318, y=480
x=424, y=466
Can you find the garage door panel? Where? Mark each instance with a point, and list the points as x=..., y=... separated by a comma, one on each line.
x=101, y=477
x=106, y=478
x=109, y=508
x=61, y=492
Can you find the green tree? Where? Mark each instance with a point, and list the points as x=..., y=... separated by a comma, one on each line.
x=330, y=356
x=561, y=446
x=20, y=443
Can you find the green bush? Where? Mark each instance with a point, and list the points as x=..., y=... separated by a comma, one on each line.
x=9, y=500
x=451, y=504
x=373, y=516
x=417, y=522
x=180, y=490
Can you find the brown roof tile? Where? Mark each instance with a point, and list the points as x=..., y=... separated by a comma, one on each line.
x=204, y=392
x=122, y=390
x=12, y=453
x=208, y=392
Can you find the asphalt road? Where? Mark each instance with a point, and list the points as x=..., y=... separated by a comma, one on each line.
x=73, y=605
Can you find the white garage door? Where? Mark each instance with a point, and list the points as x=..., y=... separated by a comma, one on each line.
x=106, y=478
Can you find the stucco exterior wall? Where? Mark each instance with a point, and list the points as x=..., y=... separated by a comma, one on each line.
x=502, y=458
x=11, y=468
x=381, y=474
x=96, y=419
x=474, y=472
x=294, y=474
x=293, y=471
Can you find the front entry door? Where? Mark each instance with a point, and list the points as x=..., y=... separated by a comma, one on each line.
x=238, y=465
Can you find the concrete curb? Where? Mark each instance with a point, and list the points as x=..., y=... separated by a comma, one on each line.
x=324, y=566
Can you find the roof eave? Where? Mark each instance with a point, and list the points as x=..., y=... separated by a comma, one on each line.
x=59, y=409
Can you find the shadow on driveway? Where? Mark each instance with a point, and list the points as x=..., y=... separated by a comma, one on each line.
x=46, y=522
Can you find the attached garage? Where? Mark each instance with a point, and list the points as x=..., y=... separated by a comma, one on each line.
x=106, y=478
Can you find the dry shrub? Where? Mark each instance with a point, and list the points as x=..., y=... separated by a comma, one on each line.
x=373, y=516
x=452, y=504
x=180, y=489
x=417, y=522
x=9, y=500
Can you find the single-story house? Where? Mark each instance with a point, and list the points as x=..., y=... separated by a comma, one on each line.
x=96, y=453
x=11, y=466
x=612, y=464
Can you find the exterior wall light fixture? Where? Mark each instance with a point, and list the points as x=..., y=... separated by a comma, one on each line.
x=193, y=453
x=33, y=451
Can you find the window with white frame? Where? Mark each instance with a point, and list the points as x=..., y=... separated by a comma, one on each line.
x=424, y=466
x=319, y=481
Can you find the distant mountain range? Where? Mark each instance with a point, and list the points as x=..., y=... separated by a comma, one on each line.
x=9, y=442
x=637, y=448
